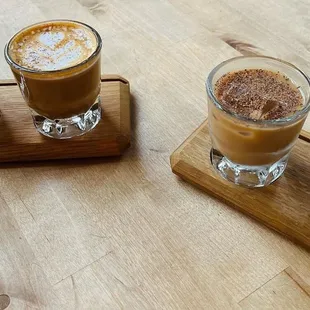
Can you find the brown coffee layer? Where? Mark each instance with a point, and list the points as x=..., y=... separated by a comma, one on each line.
x=258, y=94
x=52, y=46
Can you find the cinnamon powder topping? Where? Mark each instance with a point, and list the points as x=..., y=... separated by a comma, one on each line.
x=258, y=94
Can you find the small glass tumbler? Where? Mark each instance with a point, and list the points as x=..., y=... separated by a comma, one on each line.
x=253, y=153
x=64, y=103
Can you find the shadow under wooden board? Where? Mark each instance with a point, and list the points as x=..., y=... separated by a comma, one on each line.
x=19, y=140
x=283, y=206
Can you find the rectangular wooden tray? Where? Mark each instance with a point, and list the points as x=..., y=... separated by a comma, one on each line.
x=283, y=206
x=19, y=140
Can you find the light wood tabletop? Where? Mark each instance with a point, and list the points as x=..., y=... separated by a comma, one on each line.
x=126, y=233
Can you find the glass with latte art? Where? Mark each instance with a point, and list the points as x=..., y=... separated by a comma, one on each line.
x=57, y=67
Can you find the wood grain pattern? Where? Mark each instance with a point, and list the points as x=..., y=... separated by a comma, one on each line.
x=20, y=141
x=305, y=135
x=127, y=233
x=299, y=280
x=283, y=206
x=246, y=49
x=279, y=293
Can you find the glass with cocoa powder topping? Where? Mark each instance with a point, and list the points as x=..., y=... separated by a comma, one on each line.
x=257, y=107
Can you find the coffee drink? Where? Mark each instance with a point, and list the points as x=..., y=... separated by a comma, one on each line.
x=255, y=94
x=57, y=66
x=52, y=46
x=257, y=107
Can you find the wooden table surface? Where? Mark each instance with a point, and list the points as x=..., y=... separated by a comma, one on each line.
x=126, y=233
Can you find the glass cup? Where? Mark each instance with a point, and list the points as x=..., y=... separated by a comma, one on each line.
x=253, y=153
x=64, y=103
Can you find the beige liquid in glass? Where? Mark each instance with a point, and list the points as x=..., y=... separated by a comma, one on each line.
x=254, y=94
x=61, y=78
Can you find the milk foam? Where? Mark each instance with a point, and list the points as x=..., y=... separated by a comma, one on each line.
x=53, y=46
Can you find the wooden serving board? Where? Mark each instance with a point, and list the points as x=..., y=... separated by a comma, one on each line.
x=283, y=206
x=19, y=140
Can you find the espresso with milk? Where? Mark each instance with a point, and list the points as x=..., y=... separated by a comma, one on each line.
x=53, y=46
x=255, y=95
x=258, y=94
x=59, y=72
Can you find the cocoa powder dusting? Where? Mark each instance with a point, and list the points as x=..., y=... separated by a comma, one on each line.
x=258, y=94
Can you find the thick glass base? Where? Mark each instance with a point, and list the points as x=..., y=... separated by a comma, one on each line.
x=69, y=127
x=249, y=176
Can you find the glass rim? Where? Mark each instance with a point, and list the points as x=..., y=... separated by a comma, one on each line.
x=12, y=63
x=297, y=115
